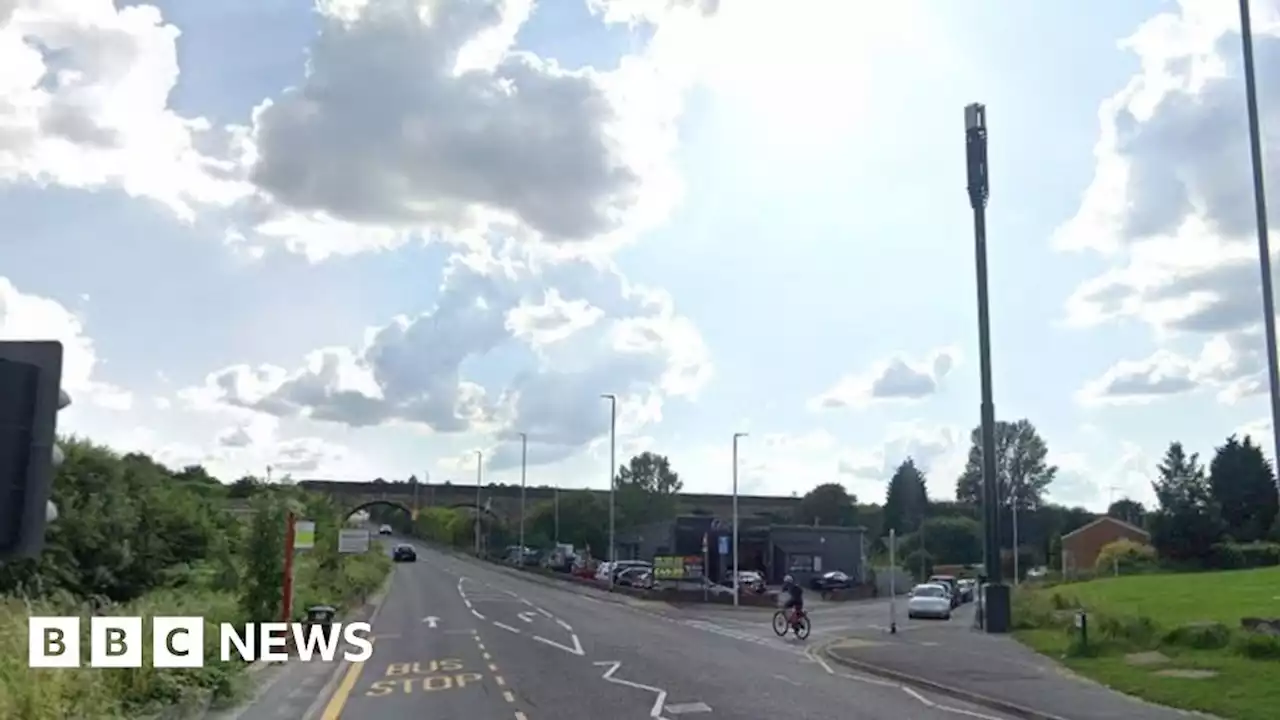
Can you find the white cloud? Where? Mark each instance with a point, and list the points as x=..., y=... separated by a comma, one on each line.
x=939, y=452
x=28, y=317
x=895, y=379
x=414, y=370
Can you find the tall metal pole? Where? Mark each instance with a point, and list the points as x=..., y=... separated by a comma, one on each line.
x=556, y=503
x=736, y=436
x=975, y=126
x=524, y=464
x=479, y=478
x=1264, y=244
x=613, y=468
x=1016, y=574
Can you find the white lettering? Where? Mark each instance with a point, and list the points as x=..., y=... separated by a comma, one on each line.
x=274, y=638
x=357, y=634
x=244, y=644
x=306, y=638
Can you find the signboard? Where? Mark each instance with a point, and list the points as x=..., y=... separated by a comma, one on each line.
x=677, y=567
x=353, y=540
x=304, y=535
x=724, y=544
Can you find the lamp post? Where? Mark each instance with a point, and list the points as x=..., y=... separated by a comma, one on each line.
x=1260, y=208
x=975, y=131
x=479, y=478
x=736, y=437
x=524, y=463
x=613, y=468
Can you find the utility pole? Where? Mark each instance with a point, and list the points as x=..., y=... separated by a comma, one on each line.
x=736, y=437
x=975, y=130
x=524, y=463
x=613, y=468
x=1264, y=245
x=479, y=479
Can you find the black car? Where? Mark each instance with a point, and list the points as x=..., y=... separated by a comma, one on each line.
x=834, y=580
x=404, y=553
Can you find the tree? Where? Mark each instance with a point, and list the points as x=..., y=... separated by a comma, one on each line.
x=647, y=490
x=1243, y=485
x=1128, y=510
x=260, y=596
x=1188, y=522
x=584, y=521
x=946, y=540
x=907, y=501
x=828, y=504
x=1022, y=469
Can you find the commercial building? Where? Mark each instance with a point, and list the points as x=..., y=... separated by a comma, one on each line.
x=774, y=550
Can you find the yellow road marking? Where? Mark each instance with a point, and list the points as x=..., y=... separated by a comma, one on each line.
x=339, y=699
x=509, y=696
x=498, y=679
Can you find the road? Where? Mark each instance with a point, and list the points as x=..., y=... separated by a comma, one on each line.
x=460, y=640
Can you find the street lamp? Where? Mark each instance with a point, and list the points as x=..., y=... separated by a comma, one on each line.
x=1260, y=207
x=613, y=467
x=975, y=133
x=736, y=437
x=479, y=478
x=524, y=463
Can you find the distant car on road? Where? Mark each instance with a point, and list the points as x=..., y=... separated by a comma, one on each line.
x=384, y=530
x=952, y=586
x=966, y=586
x=404, y=553
x=929, y=601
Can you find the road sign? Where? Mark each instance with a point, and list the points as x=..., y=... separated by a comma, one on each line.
x=724, y=544
x=304, y=535
x=353, y=540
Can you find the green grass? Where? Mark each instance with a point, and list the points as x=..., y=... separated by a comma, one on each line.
x=1163, y=613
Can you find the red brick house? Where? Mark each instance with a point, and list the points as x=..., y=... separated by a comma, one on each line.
x=1080, y=547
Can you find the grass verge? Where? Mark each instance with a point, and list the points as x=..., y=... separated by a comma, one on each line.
x=1151, y=635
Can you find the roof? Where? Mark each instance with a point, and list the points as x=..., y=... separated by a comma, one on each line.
x=1109, y=520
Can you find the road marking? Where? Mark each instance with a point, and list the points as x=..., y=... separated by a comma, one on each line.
x=521, y=716
x=656, y=711
x=685, y=708
x=487, y=656
x=508, y=696
x=339, y=698
x=431, y=621
x=786, y=679
x=493, y=667
x=506, y=627
x=575, y=650
x=564, y=625
x=525, y=616
x=499, y=679
x=544, y=612
x=477, y=614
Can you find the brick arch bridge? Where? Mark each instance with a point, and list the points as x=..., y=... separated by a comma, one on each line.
x=503, y=501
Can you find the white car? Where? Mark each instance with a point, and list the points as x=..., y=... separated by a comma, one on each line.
x=929, y=601
x=384, y=530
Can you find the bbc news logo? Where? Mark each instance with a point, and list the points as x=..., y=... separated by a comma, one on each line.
x=178, y=642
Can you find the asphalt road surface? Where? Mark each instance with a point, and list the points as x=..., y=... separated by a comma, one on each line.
x=460, y=640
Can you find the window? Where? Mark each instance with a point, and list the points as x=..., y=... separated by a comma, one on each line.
x=799, y=563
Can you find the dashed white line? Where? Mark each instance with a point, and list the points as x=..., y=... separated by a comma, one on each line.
x=506, y=627
x=477, y=614
x=564, y=625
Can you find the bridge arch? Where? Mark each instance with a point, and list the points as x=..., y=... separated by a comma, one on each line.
x=387, y=503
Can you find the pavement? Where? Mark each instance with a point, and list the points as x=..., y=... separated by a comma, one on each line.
x=458, y=639
x=994, y=671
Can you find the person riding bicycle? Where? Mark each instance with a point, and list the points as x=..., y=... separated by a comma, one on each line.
x=795, y=598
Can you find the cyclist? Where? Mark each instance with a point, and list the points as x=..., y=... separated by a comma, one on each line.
x=795, y=599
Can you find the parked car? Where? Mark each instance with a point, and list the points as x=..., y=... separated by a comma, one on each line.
x=951, y=584
x=404, y=553
x=828, y=581
x=967, y=587
x=636, y=576
x=384, y=530
x=929, y=601
x=749, y=581
x=606, y=569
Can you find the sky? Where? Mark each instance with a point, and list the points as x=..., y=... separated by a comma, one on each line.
x=347, y=239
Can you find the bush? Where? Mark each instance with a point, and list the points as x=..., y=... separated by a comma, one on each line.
x=1256, y=646
x=1239, y=556
x=1126, y=556
x=1199, y=636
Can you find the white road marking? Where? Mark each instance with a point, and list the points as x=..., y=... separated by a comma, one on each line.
x=525, y=616
x=477, y=614
x=544, y=612
x=431, y=621
x=786, y=679
x=656, y=711
x=575, y=650
x=506, y=627
x=685, y=708
x=564, y=625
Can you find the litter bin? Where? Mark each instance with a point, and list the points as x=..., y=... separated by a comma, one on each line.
x=321, y=616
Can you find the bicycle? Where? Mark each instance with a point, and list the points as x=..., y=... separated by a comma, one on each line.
x=782, y=624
